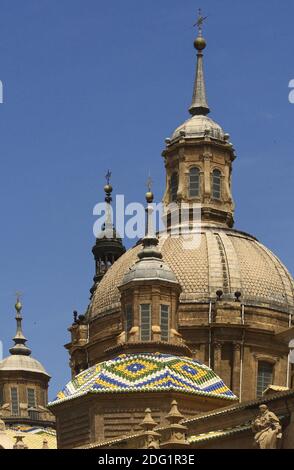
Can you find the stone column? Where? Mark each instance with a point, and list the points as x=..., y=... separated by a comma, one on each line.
x=217, y=346
x=181, y=176
x=207, y=182
x=236, y=369
x=155, y=314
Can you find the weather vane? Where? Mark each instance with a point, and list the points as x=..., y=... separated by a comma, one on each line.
x=200, y=21
x=108, y=176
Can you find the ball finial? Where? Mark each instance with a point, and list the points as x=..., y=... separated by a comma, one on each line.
x=108, y=188
x=149, y=197
x=18, y=306
x=200, y=43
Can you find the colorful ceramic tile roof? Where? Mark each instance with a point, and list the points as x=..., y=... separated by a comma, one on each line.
x=147, y=372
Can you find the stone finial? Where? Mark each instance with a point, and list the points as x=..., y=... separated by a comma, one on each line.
x=19, y=339
x=19, y=444
x=151, y=437
x=174, y=416
x=175, y=432
x=148, y=422
x=45, y=444
x=219, y=294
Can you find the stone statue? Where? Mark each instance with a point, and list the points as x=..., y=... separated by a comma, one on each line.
x=152, y=442
x=267, y=429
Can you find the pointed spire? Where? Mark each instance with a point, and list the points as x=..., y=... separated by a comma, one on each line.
x=199, y=104
x=19, y=338
x=150, y=241
x=108, y=226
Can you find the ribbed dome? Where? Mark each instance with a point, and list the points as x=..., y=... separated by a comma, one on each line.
x=149, y=268
x=224, y=259
x=22, y=363
x=198, y=126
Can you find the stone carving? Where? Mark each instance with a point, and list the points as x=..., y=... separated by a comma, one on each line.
x=267, y=429
x=152, y=442
x=175, y=437
x=151, y=437
x=19, y=444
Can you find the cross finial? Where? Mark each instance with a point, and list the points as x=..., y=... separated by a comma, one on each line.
x=18, y=295
x=18, y=305
x=200, y=21
x=108, y=176
x=149, y=183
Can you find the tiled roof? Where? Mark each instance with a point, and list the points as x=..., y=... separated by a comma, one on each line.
x=147, y=372
x=217, y=434
x=223, y=259
x=236, y=407
x=33, y=436
x=275, y=388
x=207, y=436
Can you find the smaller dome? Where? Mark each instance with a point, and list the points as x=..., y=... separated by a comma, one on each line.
x=19, y=362
x=149, y=269
x=198, y=126
x=147, y=372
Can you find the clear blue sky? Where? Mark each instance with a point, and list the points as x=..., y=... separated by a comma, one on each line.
x=91, y=85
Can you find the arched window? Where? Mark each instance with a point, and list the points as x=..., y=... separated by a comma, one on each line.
x=145, y=322
x=264, y=377
x=128, y=318
x=31, y=392
x=216, y=184
x=164, y=322
x=174, y=186
x=14, y=401
x=194, y=182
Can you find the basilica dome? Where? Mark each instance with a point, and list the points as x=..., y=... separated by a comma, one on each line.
x=224, y=259
x=22, y=363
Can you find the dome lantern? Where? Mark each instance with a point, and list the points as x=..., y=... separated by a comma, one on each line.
x=198, y=158
x=108, y=247
x=149, y=298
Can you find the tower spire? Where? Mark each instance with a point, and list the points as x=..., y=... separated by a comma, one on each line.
x=199, y=104
x=19, y=338
x=108, y=247
x=108, y=226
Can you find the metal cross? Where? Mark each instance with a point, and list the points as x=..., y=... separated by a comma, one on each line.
x=149, y=183
x=108, y=176
x=18, y=296
x=200, y=21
